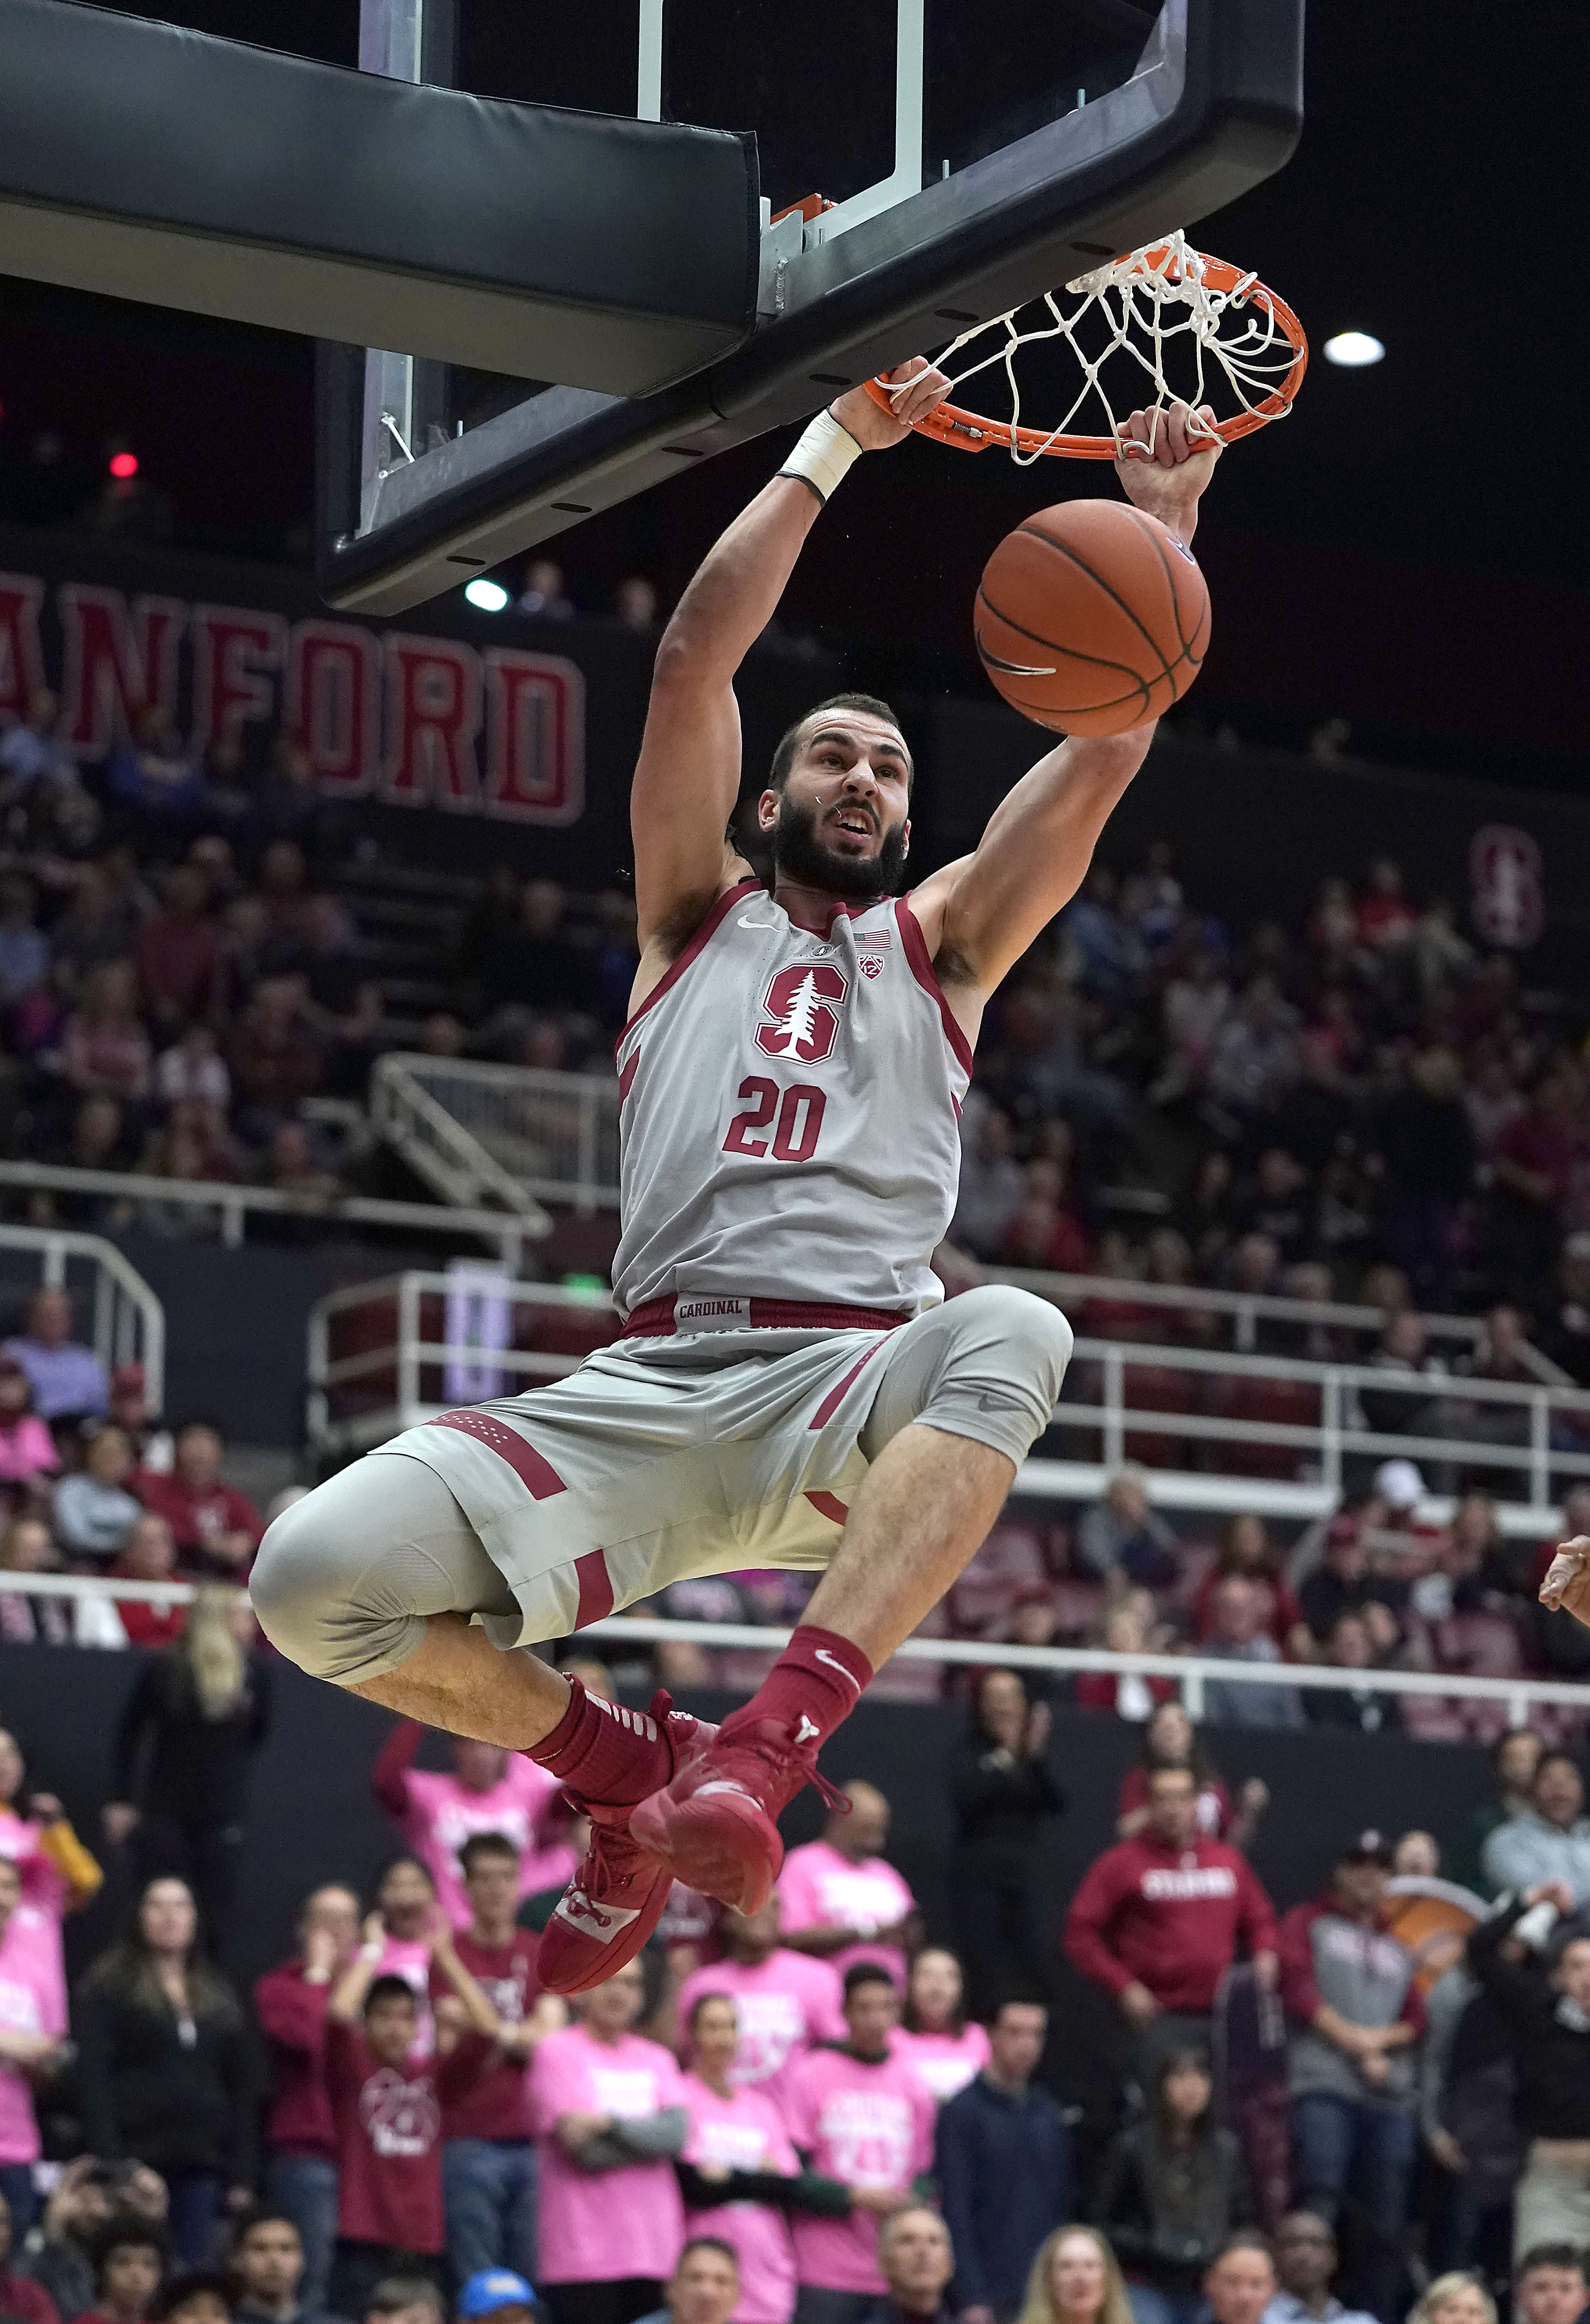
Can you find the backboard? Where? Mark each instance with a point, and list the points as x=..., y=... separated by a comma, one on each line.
x=924, y=163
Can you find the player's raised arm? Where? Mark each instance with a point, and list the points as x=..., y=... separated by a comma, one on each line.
x=687, y=775
x=992, y=905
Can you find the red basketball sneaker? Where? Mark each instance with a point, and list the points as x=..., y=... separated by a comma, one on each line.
x=716, y=1826
x=615, y=1899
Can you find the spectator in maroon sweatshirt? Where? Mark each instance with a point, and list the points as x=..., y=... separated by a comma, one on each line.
x=386, y=2105
x=178, y=953
x=301, y=2135
x=20, y=2296
x=488, y=2159
x=1158, y=1919
x=215, y=1527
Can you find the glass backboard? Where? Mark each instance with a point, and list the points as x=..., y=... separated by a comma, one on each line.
x=924, y=163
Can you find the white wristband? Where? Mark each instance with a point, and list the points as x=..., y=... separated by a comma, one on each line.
x=822, y=456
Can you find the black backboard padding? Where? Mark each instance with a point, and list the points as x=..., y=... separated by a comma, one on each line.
x=148, y=162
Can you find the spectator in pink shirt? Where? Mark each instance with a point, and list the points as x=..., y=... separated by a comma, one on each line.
x=489, y=1789
x=607, y=2108
x=739, y=2174
x=32, y=2024
x=28, y=1457
x=934, y=2035
x=57, y=1872
x=862, y=2115
x=785, y=2002
x=301, y=2135
x=841, y=1899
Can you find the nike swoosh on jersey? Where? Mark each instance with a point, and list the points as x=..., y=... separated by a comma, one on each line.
x=744, y=923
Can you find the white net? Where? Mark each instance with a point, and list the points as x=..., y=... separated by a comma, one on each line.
x=1161, y=324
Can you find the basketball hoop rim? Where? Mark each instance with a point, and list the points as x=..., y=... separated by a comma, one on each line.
x=974, y=431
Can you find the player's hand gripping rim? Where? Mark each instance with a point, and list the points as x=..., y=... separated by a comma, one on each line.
x=915, y=389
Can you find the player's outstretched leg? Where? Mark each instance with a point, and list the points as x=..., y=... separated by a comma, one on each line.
x=919, y=1516
x=963, y=1394
x=370, y=1581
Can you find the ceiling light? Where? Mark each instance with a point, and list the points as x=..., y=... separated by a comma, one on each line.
x=485, y=597
x=1353, y=349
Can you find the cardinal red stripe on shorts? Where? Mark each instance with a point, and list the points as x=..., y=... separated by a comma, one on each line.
x=596, y=1589
x=828, y=1505
x=527, y=1465
x=830, y=1403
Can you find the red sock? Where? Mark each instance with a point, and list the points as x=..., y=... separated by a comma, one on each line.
x=603, y=1753
x=816, y=1681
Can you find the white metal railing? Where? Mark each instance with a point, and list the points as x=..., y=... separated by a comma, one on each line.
x=499, y=1369
x=1192, y=1674
x=407, y=1365
x=234, y=1206
x=1474, y=1419
x=480, y=1131
x=100, y=1585
x=1247, y=1310
x=128, y=1323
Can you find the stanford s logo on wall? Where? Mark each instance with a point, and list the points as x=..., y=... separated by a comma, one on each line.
x=1508, y=887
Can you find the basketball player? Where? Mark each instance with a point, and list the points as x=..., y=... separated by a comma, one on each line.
x=789, y=1387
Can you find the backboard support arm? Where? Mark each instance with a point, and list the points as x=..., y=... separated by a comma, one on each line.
x=405, y=396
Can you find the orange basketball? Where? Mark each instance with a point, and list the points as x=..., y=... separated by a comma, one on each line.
x=1092, y=617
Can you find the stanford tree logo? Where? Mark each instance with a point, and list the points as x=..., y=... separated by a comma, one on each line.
x=801, y=1007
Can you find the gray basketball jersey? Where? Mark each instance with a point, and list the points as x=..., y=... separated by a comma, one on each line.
x=789, y=1107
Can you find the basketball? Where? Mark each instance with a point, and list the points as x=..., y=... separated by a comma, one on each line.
x=1091, y=617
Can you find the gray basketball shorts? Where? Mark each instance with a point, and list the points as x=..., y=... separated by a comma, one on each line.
x=656, y=1461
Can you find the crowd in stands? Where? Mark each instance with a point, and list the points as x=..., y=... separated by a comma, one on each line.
x=1293, y=1110
x=179, y=984
x=1312, y=1104
x=1383, y=1585
x=92, y=1482
x=819, y=2113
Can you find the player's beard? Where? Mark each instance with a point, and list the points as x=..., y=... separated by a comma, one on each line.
x=800, y=854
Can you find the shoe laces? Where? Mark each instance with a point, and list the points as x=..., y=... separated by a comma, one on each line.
x=770, y=1738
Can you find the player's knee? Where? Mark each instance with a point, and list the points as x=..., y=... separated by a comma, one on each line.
x=293, y=1581
x=1031, y=1332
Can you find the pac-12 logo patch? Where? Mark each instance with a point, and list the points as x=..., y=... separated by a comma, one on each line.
x=871, y=964
x=800, y=1008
